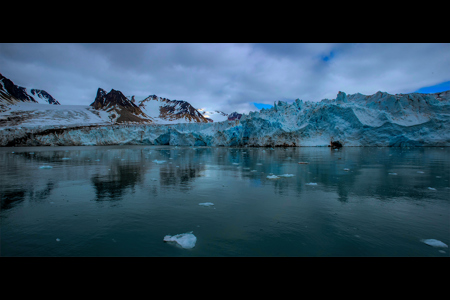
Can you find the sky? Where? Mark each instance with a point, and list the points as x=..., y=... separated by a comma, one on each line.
x=226, y=77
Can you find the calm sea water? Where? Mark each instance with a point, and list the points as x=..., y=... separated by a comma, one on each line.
x=123, y=201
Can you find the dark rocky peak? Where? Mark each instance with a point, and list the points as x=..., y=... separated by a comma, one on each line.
x=18, y=92
x=46, y=96
x=234, y=116
x=113, y=98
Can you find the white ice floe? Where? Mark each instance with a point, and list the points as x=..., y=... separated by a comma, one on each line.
x=186, y=240
x=159, y=161
x=311, y=183
x=346, y=169
x=434, y=243
x=272, y=177
x=206, y=204
x=45, y=167
x=286, y=175
x=430, y=188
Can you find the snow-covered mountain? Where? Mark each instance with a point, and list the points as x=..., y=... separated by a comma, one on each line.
x=43, y=97
x=13, y=94
x=119, y=108
x=165, y=111
x=380, y=119
x=219, y=116
x=20, y=108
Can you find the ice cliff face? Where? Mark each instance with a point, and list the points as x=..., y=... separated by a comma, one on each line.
x=353, y=120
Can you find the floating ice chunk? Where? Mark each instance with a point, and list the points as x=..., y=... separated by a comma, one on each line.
x=186, y=240
x=45, y=167
x=346, y=169
x=159, y=161
x=273, y=177
x=206, y=204
x=65, y=158
x=286, y=175
x=392, y=173
x=311, y=183
x=430, y=188
x=434, y=243
x=58, y=240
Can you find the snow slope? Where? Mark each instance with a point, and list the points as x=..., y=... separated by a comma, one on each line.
x=30, y=115
x=354, y=120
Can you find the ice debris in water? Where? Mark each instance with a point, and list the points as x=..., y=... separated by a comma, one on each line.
x=286, y=175
x=159, y=161
x=311, y=183
x=206, y=204
x=45, y=167
x=66, y=158
x=186, y=240
x=430, y=188
x=273, y=177
x=434, y=243
x=346, y=169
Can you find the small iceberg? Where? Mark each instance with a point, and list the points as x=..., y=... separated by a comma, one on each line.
x=286, y=175
x=206, y=204
x=45, y=167
x=311, y=183
x=430, y=188
x=186, y=240
x=346, y=169
x=272, y=177
x=159, y=161
x=434, y=243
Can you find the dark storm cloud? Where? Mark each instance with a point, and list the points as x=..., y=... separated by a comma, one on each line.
x=225, y=77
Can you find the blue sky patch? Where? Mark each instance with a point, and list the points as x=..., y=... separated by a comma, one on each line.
x=327, y=57
x=440, y=87
x=262, y=105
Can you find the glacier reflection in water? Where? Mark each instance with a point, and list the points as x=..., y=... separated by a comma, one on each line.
x=123, y=201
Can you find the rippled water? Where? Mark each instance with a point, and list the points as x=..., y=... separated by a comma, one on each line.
x=123, y=201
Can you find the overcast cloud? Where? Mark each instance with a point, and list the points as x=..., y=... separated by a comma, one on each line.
x=227, y=77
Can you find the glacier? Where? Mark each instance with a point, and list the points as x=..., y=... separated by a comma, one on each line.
x=381, y=119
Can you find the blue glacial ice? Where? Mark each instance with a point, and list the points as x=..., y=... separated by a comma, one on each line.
x=434, y=243
x=380, y=119
x=186, y=240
